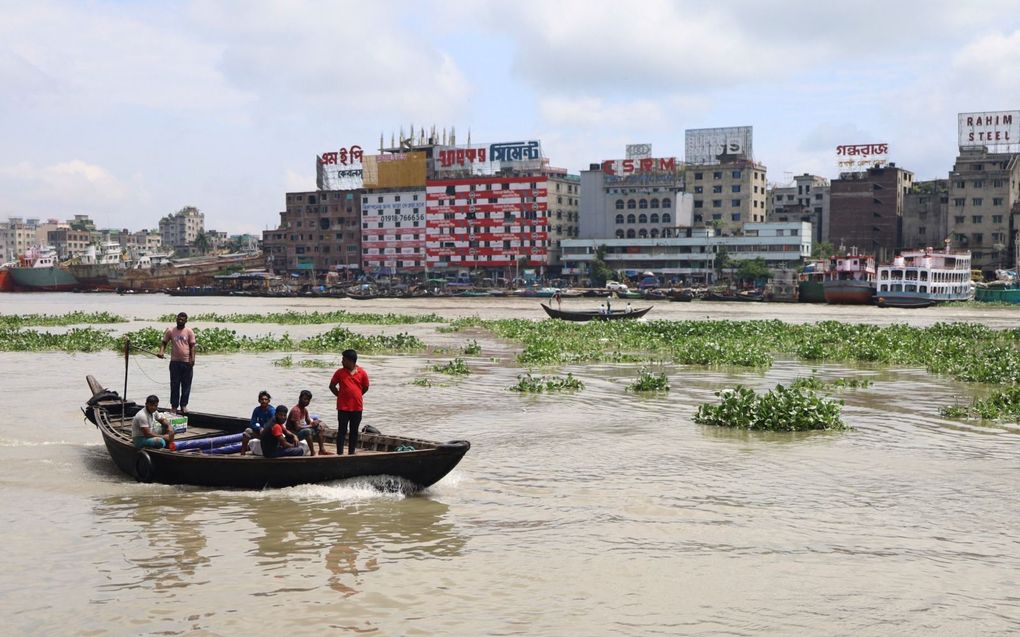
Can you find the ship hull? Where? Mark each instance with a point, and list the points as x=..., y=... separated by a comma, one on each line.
x=998, y=295
x=181, y=274
x=849, y=292
x=48, y=279
x=6, y=282
x=810, y=292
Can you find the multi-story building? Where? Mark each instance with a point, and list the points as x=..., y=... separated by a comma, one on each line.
x=634, y=198
x=69, y=243
x=689, y=257
x=564, y=212
x=16, y=237
x=138, y=243
x=393, y=230
x=180, y=229
x=925, y=214
x=806, y=200
x=728, y=194
x=866, y=210
x=319, y=232
x=984, y=191
x=496, y=223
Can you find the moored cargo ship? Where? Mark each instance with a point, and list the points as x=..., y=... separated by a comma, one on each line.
x=39, y=272
x=851, y=280
x=183, y=273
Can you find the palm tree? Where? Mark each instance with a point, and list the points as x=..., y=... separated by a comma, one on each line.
x=201, y=242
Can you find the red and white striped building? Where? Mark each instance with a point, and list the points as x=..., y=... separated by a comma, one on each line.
x=487, y=222
x=393, y=231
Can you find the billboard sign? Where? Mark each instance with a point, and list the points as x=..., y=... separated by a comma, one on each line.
x=859, y=157
x=487, y=159
x=340, y=169
x=639, y=151
x=646, y=171
x=990, y=128
x=715, y=145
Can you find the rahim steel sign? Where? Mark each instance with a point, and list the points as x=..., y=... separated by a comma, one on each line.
x=990, y=128
x=716, y=145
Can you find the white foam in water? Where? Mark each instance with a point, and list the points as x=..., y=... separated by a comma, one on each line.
x=353, y=490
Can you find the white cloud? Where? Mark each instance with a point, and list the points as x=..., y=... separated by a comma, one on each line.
x=74, y=185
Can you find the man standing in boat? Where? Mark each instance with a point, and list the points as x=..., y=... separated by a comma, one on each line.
x=349, y=384
x=182, y=362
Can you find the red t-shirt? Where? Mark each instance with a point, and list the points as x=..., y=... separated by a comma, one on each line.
x=277, y=430
x=298, y=417
x=351, y=386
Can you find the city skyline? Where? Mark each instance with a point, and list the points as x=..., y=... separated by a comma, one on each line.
x=129, y=112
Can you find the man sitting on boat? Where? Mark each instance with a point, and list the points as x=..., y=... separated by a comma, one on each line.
x=147, y=422
x=302, y=425
x=276, y=441
x=261, y=416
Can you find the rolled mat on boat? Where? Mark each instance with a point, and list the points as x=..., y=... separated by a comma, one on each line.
x=206, y=443
x=231, y=448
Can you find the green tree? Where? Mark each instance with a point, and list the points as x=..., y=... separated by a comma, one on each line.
x=822, y=250
x=723, y=261
x=201, y=242
x=752, y=270
x=600, y=271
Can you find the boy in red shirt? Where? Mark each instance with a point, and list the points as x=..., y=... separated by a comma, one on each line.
x=349, y=384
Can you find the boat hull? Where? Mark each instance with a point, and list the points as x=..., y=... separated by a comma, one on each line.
x=182, y=274
x=48, y=279
x=998, y=295
x=583, y=316
x=6, y=282
x=906, y=302
x=810, y=292
x=848, y=292
x=423, y=467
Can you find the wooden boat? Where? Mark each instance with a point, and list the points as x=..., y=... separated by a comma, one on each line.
x=904, y=302
x=377, y=454
x=681, y=296
x=582, y=316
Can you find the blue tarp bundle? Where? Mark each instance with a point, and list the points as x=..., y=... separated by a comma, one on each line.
x=207, y=443
x=225, y=449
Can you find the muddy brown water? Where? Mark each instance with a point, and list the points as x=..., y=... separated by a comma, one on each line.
x=595, y=513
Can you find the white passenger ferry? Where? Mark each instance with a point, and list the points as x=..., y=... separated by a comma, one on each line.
x=920, y=278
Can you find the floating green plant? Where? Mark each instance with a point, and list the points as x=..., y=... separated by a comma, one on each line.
x=526, y=383
x=456, y=367
x=1000, y=405
x=648, y=381
x=780, y=409
x=312, y=318
x=70, y=318
x=472, y=348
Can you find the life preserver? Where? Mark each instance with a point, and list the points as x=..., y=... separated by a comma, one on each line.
x=455, y=444
x=144, y=470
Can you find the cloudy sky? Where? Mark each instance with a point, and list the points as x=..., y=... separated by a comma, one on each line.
x=127, y=111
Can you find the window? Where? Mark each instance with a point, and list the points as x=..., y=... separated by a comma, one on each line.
x=735, y=203
x=979, y=166
x=958, y=202
x=717, y=175
x=978, y=183
x=666, y=203
x=959, y=219
x=716, y=216
x=794, y=232
x=975, y=218
x=631, y=218
x=642, y=218
x=619, y=204
x=654, y=203
x=736, y=174
x=997, y=183
x=699, y=204
x=976, y=201
x=698, y=190
x=699, y=175
x=996, y=218
x=630, y=233
x=619, y=234
x=717, y=203
x=996, y=201
x=735, y=188
x=631, y=204
x=643, y=204
x=654, y=217
x=921, y=230
x=735, y=216
x=716, y=189
x=642, y=234
x=961, y=184
x=666, y=218
x=654, y=233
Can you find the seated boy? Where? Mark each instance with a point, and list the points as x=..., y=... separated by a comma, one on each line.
x=276, y=440
x=148, y=427
x=261, y=416
x=302, y=425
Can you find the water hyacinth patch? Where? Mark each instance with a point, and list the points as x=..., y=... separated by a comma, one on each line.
x=472, y=348
x=313, y=318
x=814, y=383
x=1000, y=405
x=648, y=381
x=526, y=383
x=338, y=339
x=781, y=409
x=456, y=367
x=70, y=318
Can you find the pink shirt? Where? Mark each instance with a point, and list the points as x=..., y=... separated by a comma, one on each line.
x=179, y=340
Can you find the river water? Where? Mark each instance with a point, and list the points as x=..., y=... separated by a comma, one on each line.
x=595, y=513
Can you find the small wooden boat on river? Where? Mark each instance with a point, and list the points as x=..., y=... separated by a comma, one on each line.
x=583, y=316
x=207, y=463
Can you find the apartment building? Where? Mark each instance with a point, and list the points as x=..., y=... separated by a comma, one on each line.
x=393, y=230
x=925, y=214
x=728, y=194
x=866, y=210
x=320, y=231
x=983, y=211
x=807, y=199
x=180, y=229
x=564, y=207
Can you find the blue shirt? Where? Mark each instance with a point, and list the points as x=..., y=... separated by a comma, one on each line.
x=259, y=417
